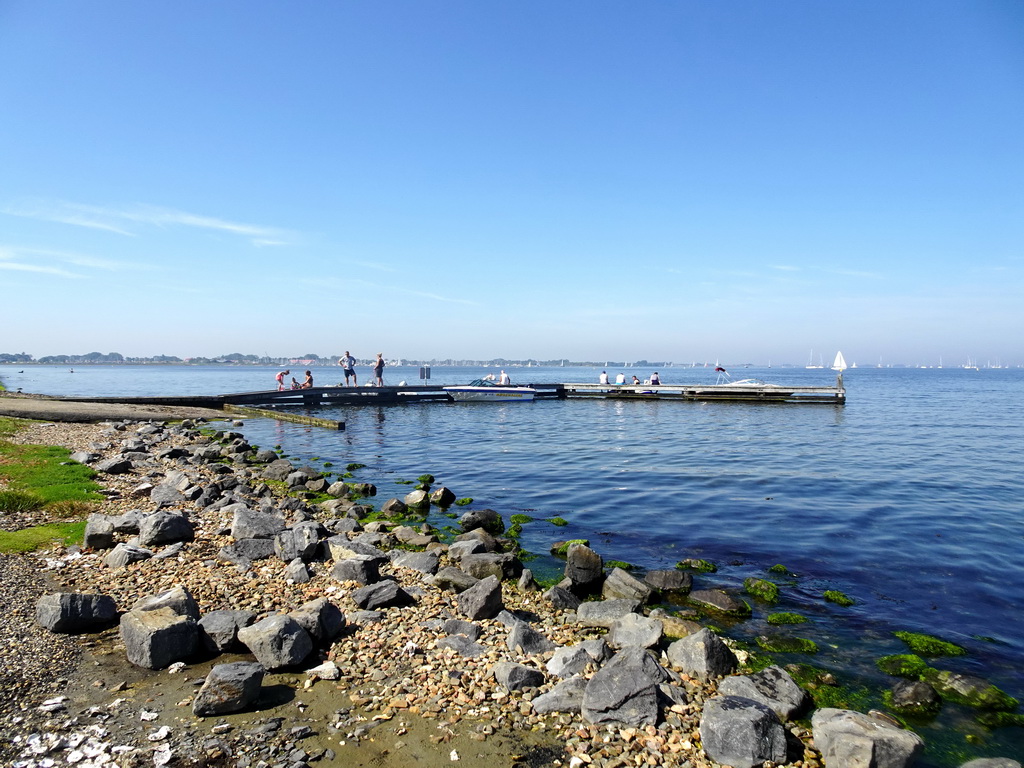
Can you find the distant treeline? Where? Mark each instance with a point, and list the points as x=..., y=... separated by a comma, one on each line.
x=237, y=358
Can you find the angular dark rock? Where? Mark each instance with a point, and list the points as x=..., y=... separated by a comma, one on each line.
x=702, y=655
x=218, y=630
x=625, y=690
x=566, y=696
x=604, y=613
x=670, y=580
x=164, y=528
x=487, y=519
x=619, y=583
x=68, y=612
x=743, y=733
x=773, y=687
x=527, y=640
x=516, y=677
x=229, y=688
x=383, y=594
x=157, y=638
x=845, y=737
x=584, y=568
x=277, y=641
x=483, y=600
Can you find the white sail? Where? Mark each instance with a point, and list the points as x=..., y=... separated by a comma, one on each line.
x=839, y=364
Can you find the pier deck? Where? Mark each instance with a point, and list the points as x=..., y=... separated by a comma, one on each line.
x=391, y=395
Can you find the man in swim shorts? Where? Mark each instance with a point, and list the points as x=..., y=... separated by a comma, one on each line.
x=348, y=365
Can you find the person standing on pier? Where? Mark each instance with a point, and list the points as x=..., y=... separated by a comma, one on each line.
x=348, y=364
x=280, y=379
x=378, y=370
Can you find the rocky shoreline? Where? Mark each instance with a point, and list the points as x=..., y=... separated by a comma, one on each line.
x=374, y=643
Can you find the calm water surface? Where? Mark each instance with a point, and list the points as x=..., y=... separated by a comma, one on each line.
x=908, y=498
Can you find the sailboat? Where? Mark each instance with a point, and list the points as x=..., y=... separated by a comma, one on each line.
x=810, y=361
x=839, y=364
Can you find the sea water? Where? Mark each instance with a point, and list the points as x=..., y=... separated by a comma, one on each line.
x=908, y=498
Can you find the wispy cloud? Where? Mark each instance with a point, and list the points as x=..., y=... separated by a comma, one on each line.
x=131, y=220
x=16, y=266
x=47, y=261
x=785, y=268
x=357, y=285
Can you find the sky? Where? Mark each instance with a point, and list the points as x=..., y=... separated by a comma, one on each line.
x=741, y=181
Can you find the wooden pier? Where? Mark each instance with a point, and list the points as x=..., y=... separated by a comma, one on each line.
x=320, y=397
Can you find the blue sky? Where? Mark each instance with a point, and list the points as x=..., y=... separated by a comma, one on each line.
x=741, y=181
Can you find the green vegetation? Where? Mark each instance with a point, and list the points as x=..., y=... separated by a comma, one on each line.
x=44, y=471
x=911, y=709
x=520, y=519
x=20, y=501
x=926, y=645
x=981, y=696
x=559, y=521
x=563, y=548
x=786, y=618
x=779, y=569
x=426, y=479
x=30, y=539
x=696, y=564
x=328, y=464
x=837, y=597
x=778, y=644
x=761, y=589
x=354, y=466
x=906, y=665
x=827, y=691
x=464, y=502
x=1000, y=719
x=619, y=564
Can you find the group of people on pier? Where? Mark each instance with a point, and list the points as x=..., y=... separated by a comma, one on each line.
x=348, y=365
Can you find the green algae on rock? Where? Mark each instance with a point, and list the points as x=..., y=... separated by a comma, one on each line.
x=779, y=644
x=837, y=597
x=784, y=617
x=927, y=645
x=761, y=589
x=696, y=564
x=908, y=665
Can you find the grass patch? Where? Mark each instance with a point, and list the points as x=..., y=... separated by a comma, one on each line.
x=20, y=501
x=31, y=539
x=45, y=471
x=926, y=645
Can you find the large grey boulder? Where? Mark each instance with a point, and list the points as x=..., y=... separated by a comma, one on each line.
x=559, y=597
x=566, y=696
x=114, y=466
x=362, y=569
x=157, y=638
x=229, y=688
x=245, y=551
x=634, y=629
x=604, y=613
x=773, y=687
x=845, y=737
x=277, y=641
x=252, y=524
x=125, y=554
x=625, y=690
x=300, y=541
x=321, y=618
x=571, y=660
x=516, y=677
x=527, y=640
x=483, y=600
x=99, y=532
x=462, y=645
x=702, y=655
x=669, y=580
x=69, y=612
x=218, y=630
x=166, y=494
x=584, y=568
x=451, y=579
x=278, y=470
x=340, y=547
x=500, y=564
x=442, y=497
x=164, y=528
x=417, y=500
x=620, y=583
x=487, y=519
x=459, y=549
x=383, y=594
x=178, y=599
x=424, y=562
x=720, y=601
x=743, y=733
x=991, y=762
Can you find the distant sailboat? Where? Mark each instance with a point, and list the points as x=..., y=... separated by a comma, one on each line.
x=810, y=361
x=839, y=364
